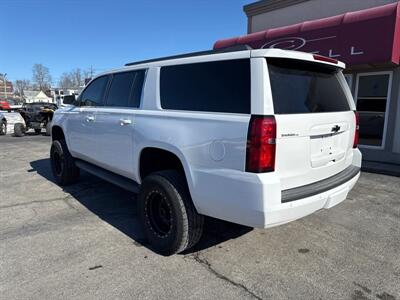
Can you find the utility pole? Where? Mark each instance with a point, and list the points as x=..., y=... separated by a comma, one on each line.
x=5, y=86
x=20, y=94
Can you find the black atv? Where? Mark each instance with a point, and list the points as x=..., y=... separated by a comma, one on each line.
x=38, y=115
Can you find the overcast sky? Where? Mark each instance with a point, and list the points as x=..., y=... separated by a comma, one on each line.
x=66, y=34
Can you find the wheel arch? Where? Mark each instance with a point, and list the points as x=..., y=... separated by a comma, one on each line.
x=167, y=150
x=57, y=133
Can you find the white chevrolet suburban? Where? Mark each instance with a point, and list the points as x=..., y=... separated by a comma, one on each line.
x=255, y=137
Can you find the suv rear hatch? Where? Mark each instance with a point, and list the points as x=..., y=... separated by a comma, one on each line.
x=315, y=122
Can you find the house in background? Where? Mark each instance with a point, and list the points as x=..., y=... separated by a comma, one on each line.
x=36, y=96
x=366, y=36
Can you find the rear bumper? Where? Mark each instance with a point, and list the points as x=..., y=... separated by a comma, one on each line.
x=290, y=211
x=257, y=200
x=320, y=186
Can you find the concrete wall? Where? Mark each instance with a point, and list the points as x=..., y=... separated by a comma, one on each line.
x=308, y=10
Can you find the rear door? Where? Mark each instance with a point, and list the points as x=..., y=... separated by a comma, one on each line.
x=315, y=121
x=115, y=122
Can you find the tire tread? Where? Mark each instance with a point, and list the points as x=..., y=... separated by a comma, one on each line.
x=71, y=171
x=194, y=224
x=192, y=221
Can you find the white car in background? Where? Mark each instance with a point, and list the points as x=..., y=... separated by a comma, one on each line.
x=8, y=120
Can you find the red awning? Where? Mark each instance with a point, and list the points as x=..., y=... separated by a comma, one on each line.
x=362, y=37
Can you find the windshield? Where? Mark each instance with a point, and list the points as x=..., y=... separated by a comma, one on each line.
x=305, y=87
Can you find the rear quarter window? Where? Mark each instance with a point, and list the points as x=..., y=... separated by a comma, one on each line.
x=305, y=87
x=220, y=86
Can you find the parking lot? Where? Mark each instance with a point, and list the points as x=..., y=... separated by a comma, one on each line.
x=85, y=242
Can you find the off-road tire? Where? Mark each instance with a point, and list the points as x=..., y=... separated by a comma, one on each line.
x=3, y=127
x=63, y=164
x=19, y=129
x=186, y=224
x=38, y=131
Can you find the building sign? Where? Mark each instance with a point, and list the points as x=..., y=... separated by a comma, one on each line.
x=301, y=44
x=362, y=37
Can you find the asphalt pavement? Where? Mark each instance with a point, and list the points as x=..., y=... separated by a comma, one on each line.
x=85, y=242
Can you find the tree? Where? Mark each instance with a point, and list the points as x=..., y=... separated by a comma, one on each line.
x=88, y=74
x=77, y=77
x=66, y=82
x=21, y=86
x=41, y=77
x=73, y=79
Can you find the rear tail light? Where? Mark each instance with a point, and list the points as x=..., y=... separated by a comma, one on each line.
x=324, y=58
x=261, y=144
x=357, y=129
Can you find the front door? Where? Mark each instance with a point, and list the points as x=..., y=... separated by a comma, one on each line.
x=80, y=130
x=82, y=134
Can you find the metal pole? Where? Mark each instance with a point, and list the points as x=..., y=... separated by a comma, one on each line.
x=5, y=86
x=20, y=94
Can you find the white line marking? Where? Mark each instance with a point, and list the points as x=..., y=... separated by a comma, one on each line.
x=324, y=38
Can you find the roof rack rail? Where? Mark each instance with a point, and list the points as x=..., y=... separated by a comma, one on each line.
x=223, y=50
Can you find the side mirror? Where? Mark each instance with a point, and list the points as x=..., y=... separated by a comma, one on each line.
x=70, y=99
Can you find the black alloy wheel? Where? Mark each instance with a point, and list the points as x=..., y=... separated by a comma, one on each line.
x=159, y=213
x=169, y=217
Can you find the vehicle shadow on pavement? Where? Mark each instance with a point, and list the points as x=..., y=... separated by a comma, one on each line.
x=118, y=208
x=29, y=133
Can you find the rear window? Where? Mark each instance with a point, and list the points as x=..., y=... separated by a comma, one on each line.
x=220, y=86
x=303, y=87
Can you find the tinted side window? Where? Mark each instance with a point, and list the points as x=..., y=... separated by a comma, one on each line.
x=120, y=89
x=221, y=86
x=126, y=89
x=93, y=95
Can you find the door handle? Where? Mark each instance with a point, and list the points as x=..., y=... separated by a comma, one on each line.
x=89, y=118
x=123, y=122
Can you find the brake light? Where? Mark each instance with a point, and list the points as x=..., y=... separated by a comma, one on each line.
x=324, y=58
x=357, y=129
x=261, y=144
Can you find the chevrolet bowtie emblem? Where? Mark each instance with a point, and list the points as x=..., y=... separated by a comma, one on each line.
x=335, y=128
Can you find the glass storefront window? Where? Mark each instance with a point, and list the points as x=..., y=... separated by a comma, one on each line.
x=349, y=80
x=372, y=97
